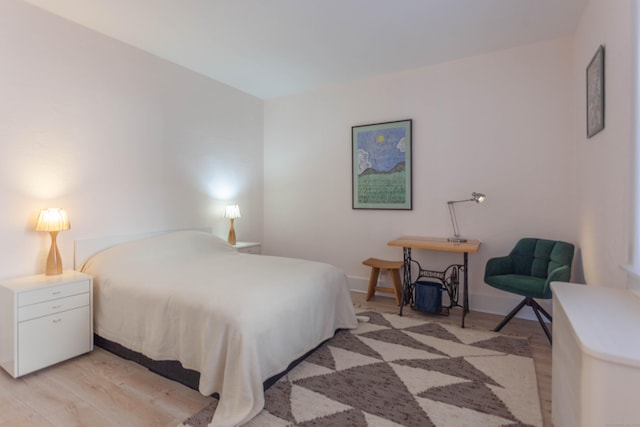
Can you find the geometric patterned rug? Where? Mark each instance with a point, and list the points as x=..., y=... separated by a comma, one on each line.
x=401, y=371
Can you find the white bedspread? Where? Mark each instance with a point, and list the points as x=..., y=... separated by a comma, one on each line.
x=236, y=318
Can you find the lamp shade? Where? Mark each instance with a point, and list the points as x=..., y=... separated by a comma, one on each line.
x=478, y=197
x=232, y=211
x=53, y=219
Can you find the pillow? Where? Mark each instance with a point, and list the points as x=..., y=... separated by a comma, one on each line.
x=174, y=245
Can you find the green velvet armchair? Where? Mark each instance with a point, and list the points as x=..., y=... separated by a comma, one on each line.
x=528, y=271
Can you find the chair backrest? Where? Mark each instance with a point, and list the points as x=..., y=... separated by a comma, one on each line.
x=539, y=257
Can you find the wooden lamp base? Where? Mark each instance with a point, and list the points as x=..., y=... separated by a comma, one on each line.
x=54, y=262
x=232, y=234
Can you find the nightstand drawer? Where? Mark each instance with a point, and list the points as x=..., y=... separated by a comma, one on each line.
x=51, y=339
x=51, y=292
x=54, y=306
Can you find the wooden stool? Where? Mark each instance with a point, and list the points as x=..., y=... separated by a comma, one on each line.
x=394, y=271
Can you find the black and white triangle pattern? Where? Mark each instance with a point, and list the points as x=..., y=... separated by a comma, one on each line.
x=400, y=371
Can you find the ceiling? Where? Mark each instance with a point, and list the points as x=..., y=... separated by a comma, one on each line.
x=274, y=48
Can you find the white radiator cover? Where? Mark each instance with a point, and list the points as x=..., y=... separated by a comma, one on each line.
x=596, y=356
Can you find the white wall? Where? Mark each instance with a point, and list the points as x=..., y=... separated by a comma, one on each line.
x=496, y=124
x=126, y=142
x=605, y=160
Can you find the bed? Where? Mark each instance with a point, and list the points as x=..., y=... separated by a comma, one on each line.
x=237, y=319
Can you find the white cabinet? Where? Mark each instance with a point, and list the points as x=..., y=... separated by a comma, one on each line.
x=596, y=356
x=248, y=247
x=44, y=320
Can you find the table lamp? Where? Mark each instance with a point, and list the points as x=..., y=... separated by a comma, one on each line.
x=53, y=220
x=475, y=197
x=232, y=212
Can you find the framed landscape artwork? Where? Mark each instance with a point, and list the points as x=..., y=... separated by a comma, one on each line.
x=381, y=162
x=595, y=93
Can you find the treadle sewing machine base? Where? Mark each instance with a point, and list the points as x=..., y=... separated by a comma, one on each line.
x=449, y=281
x=449, y=278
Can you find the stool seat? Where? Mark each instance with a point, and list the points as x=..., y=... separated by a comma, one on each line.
x=394, y=271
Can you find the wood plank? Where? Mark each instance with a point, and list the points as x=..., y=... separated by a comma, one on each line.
x=435, y=243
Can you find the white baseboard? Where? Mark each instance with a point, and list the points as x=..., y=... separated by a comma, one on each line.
x=494, y=304
x=503, y=304
x=358, y=284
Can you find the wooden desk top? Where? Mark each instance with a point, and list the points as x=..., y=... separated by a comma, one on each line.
x=435, y=243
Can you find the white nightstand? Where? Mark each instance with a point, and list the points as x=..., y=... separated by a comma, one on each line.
x=248, y=247
x=44, y=320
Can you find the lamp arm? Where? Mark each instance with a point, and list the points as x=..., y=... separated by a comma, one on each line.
x=459, y=201
x=454, y=222
x=478, y=198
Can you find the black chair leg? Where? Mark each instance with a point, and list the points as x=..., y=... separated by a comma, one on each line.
x=535, y=306
x=537, y=309
x=510, y=315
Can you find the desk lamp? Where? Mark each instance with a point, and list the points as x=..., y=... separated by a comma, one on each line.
x=475, y=197
x=232, y=212
x=53, y=220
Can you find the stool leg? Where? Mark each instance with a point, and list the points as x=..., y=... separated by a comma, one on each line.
x=397, y=284
x=373, y=282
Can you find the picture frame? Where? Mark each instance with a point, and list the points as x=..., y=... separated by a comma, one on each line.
x=595, y=93
x=381, y=165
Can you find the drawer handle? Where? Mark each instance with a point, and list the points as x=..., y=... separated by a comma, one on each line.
x=55, y=307
x=57, y=320
x=56, y=292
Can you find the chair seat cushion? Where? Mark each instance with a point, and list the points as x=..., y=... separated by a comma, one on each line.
x=527, y=286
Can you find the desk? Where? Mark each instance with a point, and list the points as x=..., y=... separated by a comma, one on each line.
x=450, y=277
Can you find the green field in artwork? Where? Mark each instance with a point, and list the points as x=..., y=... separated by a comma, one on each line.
x=382, y=188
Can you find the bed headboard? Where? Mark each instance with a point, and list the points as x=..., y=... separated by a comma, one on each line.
x=83, y=249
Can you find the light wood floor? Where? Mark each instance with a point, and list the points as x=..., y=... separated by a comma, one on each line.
x=98, y=390
x=103, y=390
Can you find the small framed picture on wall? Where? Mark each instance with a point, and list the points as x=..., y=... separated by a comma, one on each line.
x=595, y=93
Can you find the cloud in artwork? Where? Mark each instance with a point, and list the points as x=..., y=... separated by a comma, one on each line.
x=400, y=145
x=363, y=161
